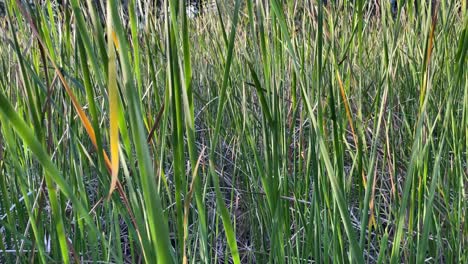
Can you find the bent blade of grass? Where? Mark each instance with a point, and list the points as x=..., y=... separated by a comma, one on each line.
x=113, y=103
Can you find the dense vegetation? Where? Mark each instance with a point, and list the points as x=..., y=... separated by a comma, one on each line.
x=261, y=131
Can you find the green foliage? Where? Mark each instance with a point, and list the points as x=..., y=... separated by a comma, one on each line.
x=258, y=132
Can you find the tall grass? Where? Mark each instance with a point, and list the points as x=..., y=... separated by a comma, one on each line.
x=259, y=131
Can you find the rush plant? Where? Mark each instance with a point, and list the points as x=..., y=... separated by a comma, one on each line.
x=256, y=132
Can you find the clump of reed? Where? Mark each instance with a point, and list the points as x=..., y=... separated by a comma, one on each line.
x=263, y=131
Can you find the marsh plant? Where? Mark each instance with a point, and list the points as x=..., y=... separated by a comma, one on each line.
x=259, y=132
